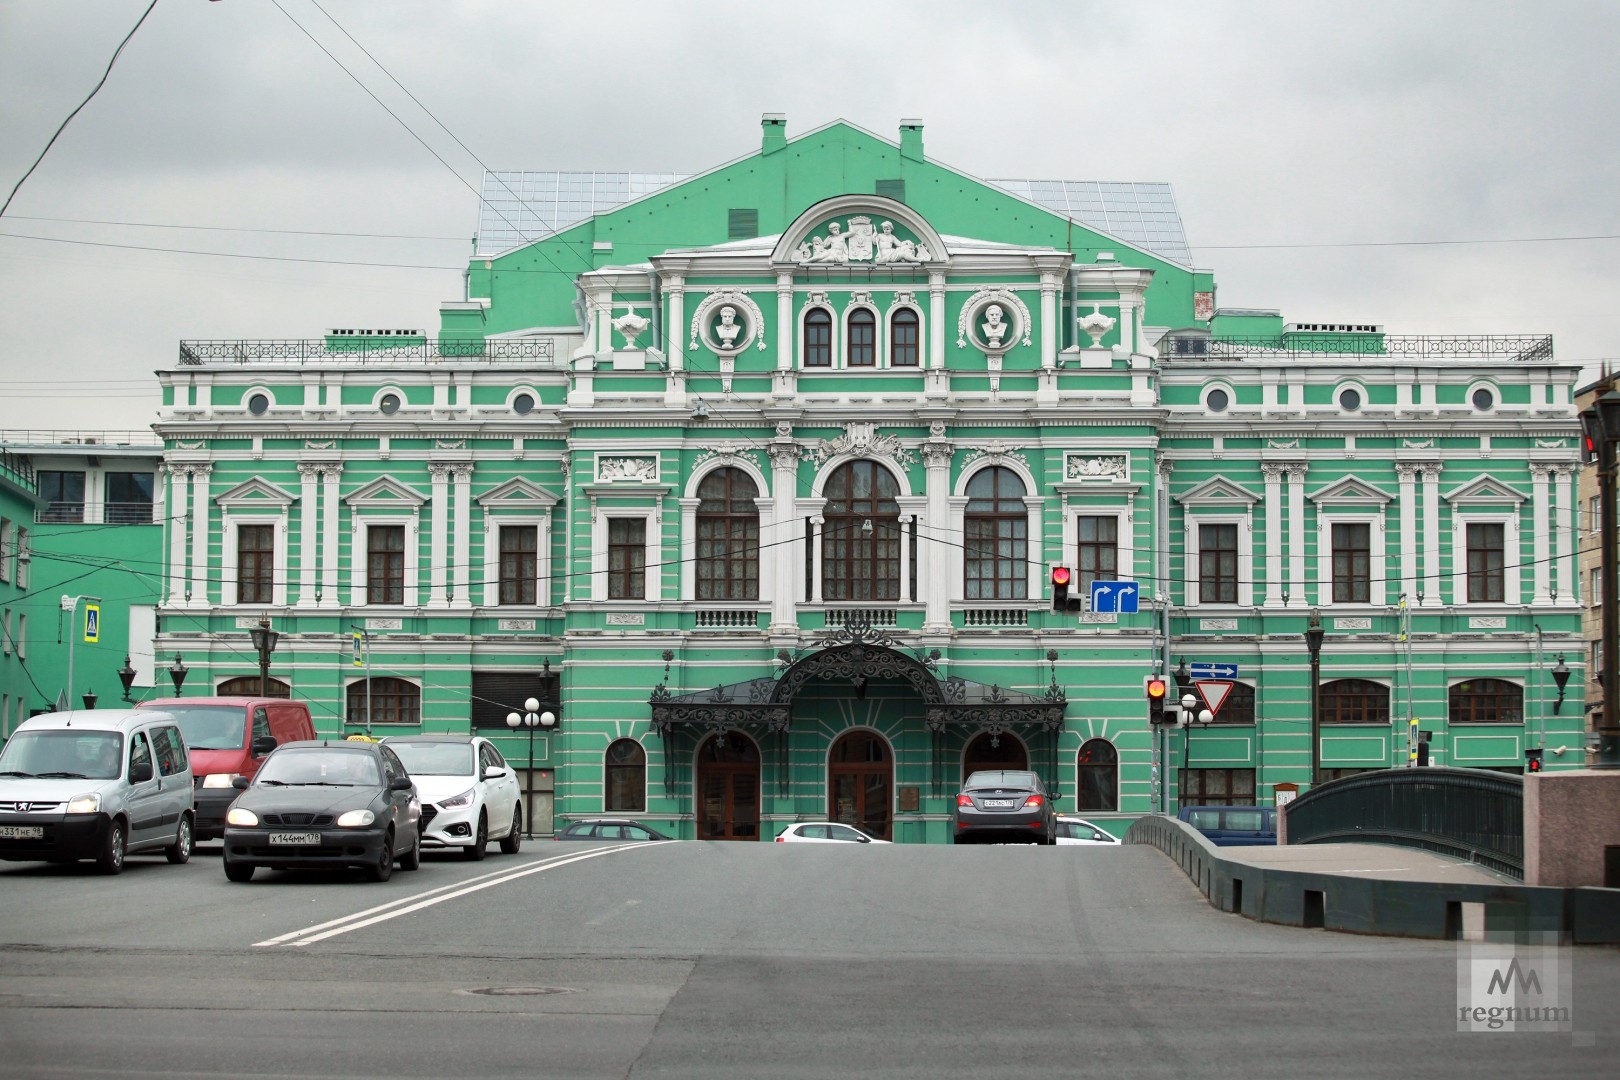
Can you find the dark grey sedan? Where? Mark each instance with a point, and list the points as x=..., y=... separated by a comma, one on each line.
x=325, y=804
x=1005, y=806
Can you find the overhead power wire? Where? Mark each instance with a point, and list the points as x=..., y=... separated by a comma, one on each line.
x=63, y=127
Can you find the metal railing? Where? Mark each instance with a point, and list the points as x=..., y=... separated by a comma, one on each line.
x=20, y=472
x=81, y=513
x=1465, y=813
x=1305, y=346
x=77, y=439
x=381, y=351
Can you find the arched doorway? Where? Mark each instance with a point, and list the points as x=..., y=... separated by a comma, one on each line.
x=1098, y=769
x=987, y=751
x=860, y=783
x=728, y=788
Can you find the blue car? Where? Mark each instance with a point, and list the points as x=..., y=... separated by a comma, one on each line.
x=1233, y=826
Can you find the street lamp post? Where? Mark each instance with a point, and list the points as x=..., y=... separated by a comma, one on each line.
x=177, y=673
x=126, y=675
x=90, y=698
x=264, y=643
x=530, y=718
x=1190, y=714
x=1313, y=642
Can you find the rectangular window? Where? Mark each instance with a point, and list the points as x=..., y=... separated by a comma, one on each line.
x=1594, y=513
x=63, y=493
x=891, y=189
x=1595, y=664
x=1217, y=787
x=385, y=564
x=1098, y=550
x=903, y=340
x=1352, y=563
x=627, y=559
x=5, y=640
x=255, y=564
x=818, y=339
x=520, y=545
x=1487, y=559
x=1594, y=594
x=20, y=642
x=996, y=556
x=1217, y=564
x=23, y=558
x=129, y=498
x=742, y=224
x=7, y=556
x=862, y=340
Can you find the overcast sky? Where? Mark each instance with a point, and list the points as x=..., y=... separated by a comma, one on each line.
x=1292, y=123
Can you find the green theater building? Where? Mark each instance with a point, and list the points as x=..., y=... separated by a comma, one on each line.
x=754, y=480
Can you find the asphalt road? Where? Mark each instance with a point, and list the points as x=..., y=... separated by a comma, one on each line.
x=729, y=960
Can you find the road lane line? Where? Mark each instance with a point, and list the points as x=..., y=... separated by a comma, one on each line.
x=381, y=913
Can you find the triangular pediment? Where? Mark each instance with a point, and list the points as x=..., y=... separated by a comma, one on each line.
x=1218, y=491
x=1350, y=491
x=517, y=493
x=255, y=492
x=385, y=491
x=1484, y=491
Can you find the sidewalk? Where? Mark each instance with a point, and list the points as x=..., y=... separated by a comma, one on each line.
x=1382, y=861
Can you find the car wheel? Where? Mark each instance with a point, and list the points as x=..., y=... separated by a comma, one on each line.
x=111, y=859
x=383, y=868
x=478, y=848
x=180, y=851
x=239, y=871
x=513, y=840
x=412, y=859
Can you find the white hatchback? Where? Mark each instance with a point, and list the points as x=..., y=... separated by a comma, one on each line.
x=824, y=832
x=1073, y=830
x=469, y=794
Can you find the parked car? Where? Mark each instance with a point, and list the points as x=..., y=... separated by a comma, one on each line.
x=610, y=829
x=1079, y=831
x=96, y=785
x=824, y=832
x=467, y=790
x=325, y=804
x=1005, y=804
x=229, y=737
x=1233, y=826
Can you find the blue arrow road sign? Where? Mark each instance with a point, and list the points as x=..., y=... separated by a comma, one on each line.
x=1213, y=671
x=1119, y=597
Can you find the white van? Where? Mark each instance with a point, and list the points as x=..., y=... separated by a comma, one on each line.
x=98, y=784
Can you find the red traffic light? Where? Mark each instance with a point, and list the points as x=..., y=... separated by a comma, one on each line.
x=1060, y=575
x=1156, y=689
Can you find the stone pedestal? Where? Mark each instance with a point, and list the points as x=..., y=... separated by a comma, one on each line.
x=1570, y=819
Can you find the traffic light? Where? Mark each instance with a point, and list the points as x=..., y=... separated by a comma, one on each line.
x=1532, y=759
x=1063, y=602
x=1591, y=436
x=1157, y=689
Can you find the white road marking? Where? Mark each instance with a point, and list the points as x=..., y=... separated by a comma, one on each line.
x=405, y=906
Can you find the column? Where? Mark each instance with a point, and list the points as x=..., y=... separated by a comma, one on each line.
x=1564, y=525
x=461, y=475
x=329, y=530
x=308, y=510
x=784, y=454
x=439, y=536
x=1408, y=503
x=676, y=332
x=819, y=524
x=1273, y=474
x=904, y=521
x=1541, y=527
x=200, y=525
x=934, y=562
x=1296, y=530
x=784, y=321
x=1049, y=327
x=177, y=531
x=936, y=319
x=1430, y=474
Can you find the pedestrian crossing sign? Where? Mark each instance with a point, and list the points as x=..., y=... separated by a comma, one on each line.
x=92, y=624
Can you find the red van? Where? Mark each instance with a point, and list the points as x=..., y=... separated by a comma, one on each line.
x=229, y=737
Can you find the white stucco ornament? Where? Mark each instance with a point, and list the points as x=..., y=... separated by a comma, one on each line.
x=1096, y=325
x=859, y=241
x=630, y=326
x=994, y=320
x=727, y=322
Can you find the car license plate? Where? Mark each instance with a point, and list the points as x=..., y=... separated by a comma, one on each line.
x=295, y=838
x=22, y=832
x=998, y=804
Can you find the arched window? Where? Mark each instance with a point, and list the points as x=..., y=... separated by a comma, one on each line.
x=727, y=566
x=1098, y=775
x=1238, y=708
x=1487, y=701
x=248, y=686
x=1353, y=701
x=988, y=751
x=996, y=541
x=393, y=701
x=858, y=563
x=818, y=338
x=862, y=338
x=903, y=338
x=626, y=779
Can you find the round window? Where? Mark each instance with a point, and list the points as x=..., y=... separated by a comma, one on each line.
x=1349, y=400
x=1217, y=401
x=1484, y=400
x=523, y=404
x=389, y=404
x=259, y=404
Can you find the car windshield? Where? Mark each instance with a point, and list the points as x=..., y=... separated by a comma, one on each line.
x=1001, y=779
x=320, y=765
x=65, y=754
x=210, y=727
x=435, y=758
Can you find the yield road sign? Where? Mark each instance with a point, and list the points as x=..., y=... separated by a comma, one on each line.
x=1213, y=671
x=1214, y=694
x=1115, y=596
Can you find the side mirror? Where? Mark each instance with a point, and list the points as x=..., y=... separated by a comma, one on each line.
x=494, y=772
x=140, y=774
x=240, y=783
x=401, y=783
x=263, y=745
x=1056, y=795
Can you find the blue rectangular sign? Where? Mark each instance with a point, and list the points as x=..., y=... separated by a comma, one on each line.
x=1119, y=597
x=1213, y=671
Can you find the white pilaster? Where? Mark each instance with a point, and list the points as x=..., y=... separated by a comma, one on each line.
x=461, y=558
x=934, y=560
x=784, y=453
x=1296, y=531
x=936, y=319
x=1273, y=474
x=1435, y=582
x=201, y=523
x=178, y=535
x=329, y=530
x=1541, y=527
x=784, y=321
x=438, y=537
x=1564, y=522
x=1408, y=511
x=308, y=510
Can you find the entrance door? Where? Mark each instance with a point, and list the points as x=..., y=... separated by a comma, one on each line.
x=1010, y=754
x=728, y=788
x=860, y=784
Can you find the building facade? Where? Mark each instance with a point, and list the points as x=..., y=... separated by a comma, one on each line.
x=755, y=479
